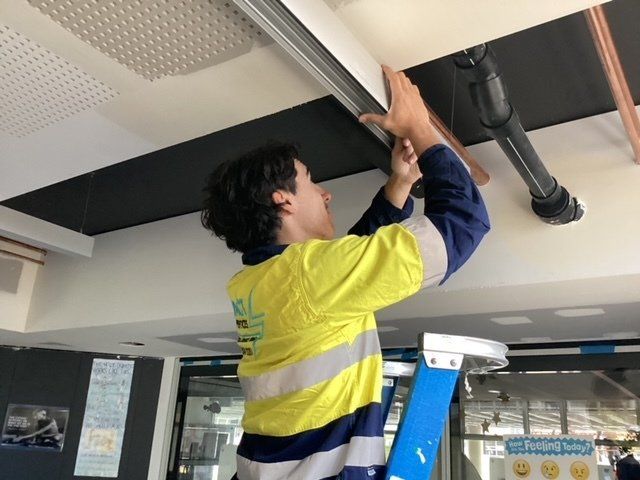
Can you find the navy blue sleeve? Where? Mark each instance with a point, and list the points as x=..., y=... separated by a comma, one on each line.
x=381, y=213
x=453, y=204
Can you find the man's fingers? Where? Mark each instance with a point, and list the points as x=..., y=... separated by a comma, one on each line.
x=397, y=146
x=406, y=83
x=407, y=150
x=372, y=118
x=410, y=159
x=393, y=78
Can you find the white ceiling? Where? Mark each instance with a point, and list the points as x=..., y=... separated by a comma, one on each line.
x=524, y=268
x=148, y=115
x=410, y=32
x=182, y=337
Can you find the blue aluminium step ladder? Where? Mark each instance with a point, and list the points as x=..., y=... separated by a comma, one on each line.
x=439, y=361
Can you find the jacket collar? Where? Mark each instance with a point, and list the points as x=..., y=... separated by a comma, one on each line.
x=262, y=254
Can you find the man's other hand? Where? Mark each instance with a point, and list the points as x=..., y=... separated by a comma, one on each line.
x=404, y=173
x=404, y=162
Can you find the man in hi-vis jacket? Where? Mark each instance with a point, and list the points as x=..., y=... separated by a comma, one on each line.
x=304, y=303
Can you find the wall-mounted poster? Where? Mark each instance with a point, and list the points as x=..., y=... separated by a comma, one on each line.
x=35, y=427
x=562, y=457
x=104, y=420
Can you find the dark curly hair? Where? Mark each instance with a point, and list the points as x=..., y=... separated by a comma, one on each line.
x=238, y=207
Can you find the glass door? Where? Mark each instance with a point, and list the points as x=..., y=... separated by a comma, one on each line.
x=207, y=426
x=208, y=430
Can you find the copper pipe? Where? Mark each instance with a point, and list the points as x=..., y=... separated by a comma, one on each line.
x=479, y=175
x=23, y=245
x=599, y=27
x=17, y=255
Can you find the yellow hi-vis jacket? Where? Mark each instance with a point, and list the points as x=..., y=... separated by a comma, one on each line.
x=312, y=367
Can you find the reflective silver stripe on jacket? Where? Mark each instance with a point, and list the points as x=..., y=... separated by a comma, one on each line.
x=360, y=452
x=432, y=249
x=312, y=371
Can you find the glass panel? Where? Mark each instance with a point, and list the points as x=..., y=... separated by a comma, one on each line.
x=603, y=404
x=544, y=418
x=610, y=419
x=212, y=430
x=395, y=412
x=484, y=459
x=493, y=417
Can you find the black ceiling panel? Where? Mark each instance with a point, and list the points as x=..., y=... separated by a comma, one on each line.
x=169, y=182
x=552, y=72
x=63, y=203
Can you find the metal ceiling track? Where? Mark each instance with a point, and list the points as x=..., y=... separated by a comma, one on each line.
x=345, y=69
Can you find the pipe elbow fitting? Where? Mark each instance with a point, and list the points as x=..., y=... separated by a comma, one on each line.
x=559, y=208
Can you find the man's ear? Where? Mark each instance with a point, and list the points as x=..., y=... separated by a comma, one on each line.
x=283, y=199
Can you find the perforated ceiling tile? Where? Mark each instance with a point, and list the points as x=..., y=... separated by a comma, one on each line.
x=39, y=88
x=155, y=38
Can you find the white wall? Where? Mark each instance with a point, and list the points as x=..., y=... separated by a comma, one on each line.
x=168, y=269
x=14, y=307
x=161, y=445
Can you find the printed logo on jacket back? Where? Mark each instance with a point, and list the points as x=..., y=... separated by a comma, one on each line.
x=250, y=325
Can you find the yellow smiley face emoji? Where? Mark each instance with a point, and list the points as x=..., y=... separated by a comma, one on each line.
x=521, y=468
x=550, y=469
x=579, y=470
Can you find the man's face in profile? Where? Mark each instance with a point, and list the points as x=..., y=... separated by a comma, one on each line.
x=312, y=205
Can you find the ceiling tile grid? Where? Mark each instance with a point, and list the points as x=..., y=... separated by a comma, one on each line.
x=41, y=88
x=156, y=38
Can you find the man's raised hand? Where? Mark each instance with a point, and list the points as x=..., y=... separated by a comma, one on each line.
x=407, y=117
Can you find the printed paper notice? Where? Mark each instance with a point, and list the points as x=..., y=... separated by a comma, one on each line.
x=104, y=420
x=561, y=457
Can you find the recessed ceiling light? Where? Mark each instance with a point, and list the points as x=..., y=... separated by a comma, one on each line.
x=511, y=320
x=387, y=329
x=493, y=391
x=618, y=335
x=132, y=344
x=217, y=340
x=536, y=339
x=579, y=312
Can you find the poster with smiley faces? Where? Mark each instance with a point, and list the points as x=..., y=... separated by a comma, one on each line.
x=550, y=457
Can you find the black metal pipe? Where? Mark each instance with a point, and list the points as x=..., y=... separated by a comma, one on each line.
x=550, y=200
